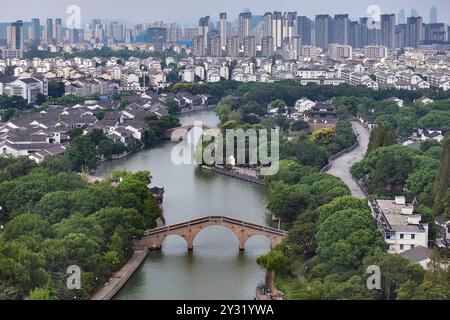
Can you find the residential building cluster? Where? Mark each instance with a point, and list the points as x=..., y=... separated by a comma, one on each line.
x=38, y=134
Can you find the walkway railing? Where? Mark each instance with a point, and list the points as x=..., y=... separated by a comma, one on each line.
x=337, y=156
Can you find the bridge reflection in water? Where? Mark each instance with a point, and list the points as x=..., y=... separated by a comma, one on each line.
x=153, y=239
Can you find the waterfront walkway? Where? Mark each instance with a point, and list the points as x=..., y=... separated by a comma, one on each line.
x=120, y=278
x=341, y=166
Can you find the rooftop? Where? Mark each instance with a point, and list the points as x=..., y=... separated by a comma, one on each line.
x=417, y=254
x=398, y=216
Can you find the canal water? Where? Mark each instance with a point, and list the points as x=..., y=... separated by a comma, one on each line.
x=216, y=269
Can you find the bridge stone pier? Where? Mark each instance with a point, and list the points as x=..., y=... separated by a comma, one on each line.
x=153, y=239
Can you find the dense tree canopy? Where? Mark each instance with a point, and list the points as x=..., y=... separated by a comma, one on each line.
x=54, y=219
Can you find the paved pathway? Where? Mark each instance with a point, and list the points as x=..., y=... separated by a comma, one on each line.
x=341, y=166
x=121, y=277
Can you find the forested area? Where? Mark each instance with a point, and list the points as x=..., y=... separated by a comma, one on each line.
x=290, y=91
x=332, y=240
x=53, y=219
x=333, y=237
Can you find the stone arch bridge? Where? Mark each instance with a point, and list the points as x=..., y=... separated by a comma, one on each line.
x=153, y=239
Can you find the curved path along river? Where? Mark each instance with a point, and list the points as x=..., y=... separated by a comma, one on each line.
x=341, y=166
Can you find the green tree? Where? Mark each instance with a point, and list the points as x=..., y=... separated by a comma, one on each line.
x=396, y=272
x=56, y=89
x=106, y=148
x=26, y=224
x=382, y=136
x=82, y=154
x=346, y=237
x=41, y=294
x=274, y=261
x=442, y=185
x=173, y=106
x=287, y=202
x=21, y=268
x=40, y=99
x=97, y=136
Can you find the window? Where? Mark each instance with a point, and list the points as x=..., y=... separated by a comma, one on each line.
x=402, y=236
x=412, y=246
x=402, y=247
x=413, y=236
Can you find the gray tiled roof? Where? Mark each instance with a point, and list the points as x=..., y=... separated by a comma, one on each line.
x=417, y=254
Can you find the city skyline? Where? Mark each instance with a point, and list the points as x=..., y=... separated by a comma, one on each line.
x=179, y=13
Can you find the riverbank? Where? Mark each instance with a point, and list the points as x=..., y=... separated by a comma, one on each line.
x=199, y=108
x=120, y=278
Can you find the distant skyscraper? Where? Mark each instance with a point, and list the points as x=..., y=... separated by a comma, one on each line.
x=57, y=30
x=296, y=45
x=190, y=33
x=233, y=46
x=117, y=32
x=354, y=37
x=433, y=15
x=158, y=37
x=435, y=32
x=304, y=28
x=401, y=16
x=174, y=32
x=400, y=35
x=35, y=30
x=249, y=46
x=414, y=13
x=245, y=26
x=277, y=29
x=15, y=36
x=267, y=46
x=96, y=22
x=203, y=29
x=414, y=31
x=128, y=36
x=3, y=32
x=323, y=24
x=49, y=31
x=363, y=32
x=198, y=47
x=289, y=29
x=223, y=29
x=99, y=33
x=340, y=27
x=388, y=30
x=267, y=25
x=216, y=48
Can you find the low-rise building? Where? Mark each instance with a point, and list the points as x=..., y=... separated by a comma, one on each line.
x=402, y=228
x=322, y=113
x=304, y=104
x=27, y=88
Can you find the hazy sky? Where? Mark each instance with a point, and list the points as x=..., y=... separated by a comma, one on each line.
x=189, y=11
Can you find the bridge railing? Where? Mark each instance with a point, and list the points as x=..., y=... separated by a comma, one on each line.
x=217, y=219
